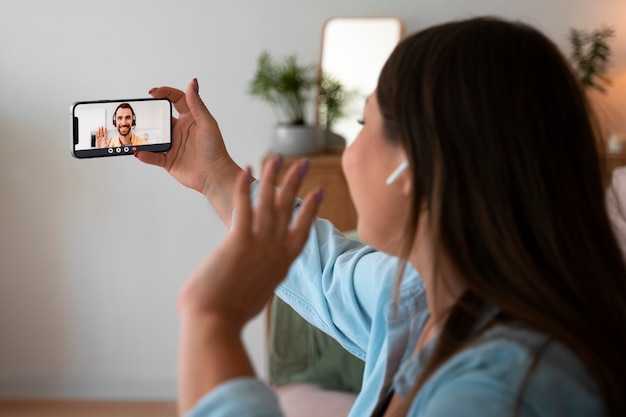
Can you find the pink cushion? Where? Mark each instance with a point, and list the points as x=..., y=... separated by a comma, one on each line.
x=306, y=400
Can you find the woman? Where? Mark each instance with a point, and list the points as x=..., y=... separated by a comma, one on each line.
x=497, y=202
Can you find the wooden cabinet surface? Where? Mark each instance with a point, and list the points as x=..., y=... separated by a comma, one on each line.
x=611, y=161
x=325, y=171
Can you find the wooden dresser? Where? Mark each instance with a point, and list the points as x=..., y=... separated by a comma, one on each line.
x=325, y=171
x=611, y=161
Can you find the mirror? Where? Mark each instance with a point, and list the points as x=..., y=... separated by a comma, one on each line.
x=354, y=50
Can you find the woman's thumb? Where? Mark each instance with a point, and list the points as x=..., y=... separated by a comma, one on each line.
x=198, y=110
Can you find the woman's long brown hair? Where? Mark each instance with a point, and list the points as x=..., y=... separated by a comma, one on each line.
x=502, y=146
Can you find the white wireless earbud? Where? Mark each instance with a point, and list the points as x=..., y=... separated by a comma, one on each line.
x=396, y=174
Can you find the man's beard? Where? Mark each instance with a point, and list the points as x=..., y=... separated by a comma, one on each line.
x=125, y=128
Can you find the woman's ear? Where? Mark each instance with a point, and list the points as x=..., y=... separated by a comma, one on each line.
x=407, y=185
x=397, y=172
x=398, y=176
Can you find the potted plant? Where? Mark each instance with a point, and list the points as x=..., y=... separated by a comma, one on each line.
x=333, y=99
x=590, y=56
x=288, y=87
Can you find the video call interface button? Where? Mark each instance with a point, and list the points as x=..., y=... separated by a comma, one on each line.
x=122, y=149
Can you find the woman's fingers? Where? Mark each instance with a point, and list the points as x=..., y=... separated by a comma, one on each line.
x=199, y=111
x=286, y=196
x=242, y=221
x=301, y=226
x=174, y=95
x=273, y=213
x=152, y=158
x=264, y=212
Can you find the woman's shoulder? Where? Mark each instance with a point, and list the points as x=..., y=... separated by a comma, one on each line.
x=505, y=348
x=510, y=366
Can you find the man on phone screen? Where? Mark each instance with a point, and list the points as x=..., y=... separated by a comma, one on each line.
x=124, y=120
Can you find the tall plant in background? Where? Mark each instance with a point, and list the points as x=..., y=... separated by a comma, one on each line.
x=590, y=55
x=333, y=100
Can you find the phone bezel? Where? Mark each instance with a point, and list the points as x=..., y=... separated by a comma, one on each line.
x=117, y=151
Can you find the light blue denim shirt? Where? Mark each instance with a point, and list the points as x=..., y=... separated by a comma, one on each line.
x=347, y=290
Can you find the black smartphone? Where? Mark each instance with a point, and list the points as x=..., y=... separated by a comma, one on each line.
x=120, y=127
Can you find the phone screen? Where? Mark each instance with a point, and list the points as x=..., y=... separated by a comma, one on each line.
x=120, y=127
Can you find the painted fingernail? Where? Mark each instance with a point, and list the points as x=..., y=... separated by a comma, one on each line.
x=320, y=196
x=248, y=173
x=152, y=90
x=304, y=168
x=278, y=164
x=196, y=87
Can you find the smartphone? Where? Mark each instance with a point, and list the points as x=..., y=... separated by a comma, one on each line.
x=120, y=127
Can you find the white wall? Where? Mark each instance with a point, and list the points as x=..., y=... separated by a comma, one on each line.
x=88, y=289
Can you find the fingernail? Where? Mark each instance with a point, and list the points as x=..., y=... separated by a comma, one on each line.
x=248, y=173
x=304, y=168
x=151, y=90
x=320, y=196
x=196, y=87
x=278, y=164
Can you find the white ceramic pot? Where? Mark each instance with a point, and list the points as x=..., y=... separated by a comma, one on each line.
x=295, y=140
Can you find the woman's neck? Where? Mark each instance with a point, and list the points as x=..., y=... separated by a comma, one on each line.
x=441, y=280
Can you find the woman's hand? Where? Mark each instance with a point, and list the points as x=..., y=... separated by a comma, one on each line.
x=236, y=281
x=198, y=158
